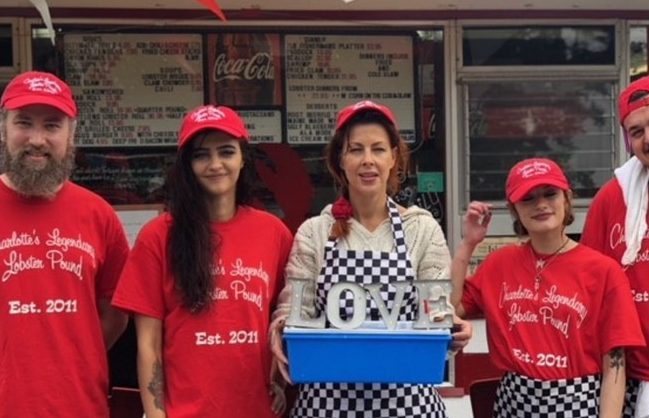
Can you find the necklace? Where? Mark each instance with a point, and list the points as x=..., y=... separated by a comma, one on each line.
x=544, y=263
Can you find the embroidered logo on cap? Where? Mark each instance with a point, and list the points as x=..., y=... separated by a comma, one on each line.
x=43, y=85
x=535, y=168
x=207, y=113
x=365, y=103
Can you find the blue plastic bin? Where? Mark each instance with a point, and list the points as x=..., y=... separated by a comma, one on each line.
x=370, y=354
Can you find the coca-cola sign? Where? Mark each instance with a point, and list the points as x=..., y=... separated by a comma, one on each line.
x=257, y=67
x=242, y=69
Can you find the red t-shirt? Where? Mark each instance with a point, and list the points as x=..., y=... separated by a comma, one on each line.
x=58, y=258
x=604, y=231
x=216, y=363
x=583, y=309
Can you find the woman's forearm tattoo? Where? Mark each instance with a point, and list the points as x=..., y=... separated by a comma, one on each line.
x=156, y=385
x=617, y=360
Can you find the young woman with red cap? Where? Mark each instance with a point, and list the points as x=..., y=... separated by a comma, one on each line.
x=558, y=313
x=201, y=281
x=365, y=156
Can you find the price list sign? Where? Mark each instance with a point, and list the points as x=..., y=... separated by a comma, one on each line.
x=325, y=73
x=264, y=126
x=133, y=89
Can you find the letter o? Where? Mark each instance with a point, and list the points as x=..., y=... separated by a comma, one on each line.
x=333, y=305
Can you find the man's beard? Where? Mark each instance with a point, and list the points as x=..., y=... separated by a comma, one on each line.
x=37, y=182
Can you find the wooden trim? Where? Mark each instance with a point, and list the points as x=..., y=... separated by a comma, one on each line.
x=140, y=206
x=323, y=15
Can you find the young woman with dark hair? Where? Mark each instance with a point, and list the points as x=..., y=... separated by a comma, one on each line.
x=192, y=244
x=202, y=280
x=365, y=157
x=559, y=315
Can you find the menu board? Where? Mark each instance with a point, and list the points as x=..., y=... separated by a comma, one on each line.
x=325, y=73
x=264, y=126
x=133, y=89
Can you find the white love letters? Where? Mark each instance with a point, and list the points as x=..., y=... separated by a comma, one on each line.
x=434, y=310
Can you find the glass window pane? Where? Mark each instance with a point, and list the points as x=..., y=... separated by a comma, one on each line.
x=536, y=45
x=639, y=57
x=124, y=175
x=571, y=122
x=428, y=156
x=6, y=47
x=45, y=56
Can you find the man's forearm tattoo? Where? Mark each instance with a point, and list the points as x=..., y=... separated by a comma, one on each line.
x=156, y=385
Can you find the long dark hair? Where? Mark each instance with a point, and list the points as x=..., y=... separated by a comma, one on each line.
x=191, y=245
x=338, y=145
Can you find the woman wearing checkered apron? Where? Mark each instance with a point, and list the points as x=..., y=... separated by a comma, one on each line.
x=364, y=237
x=558, y=313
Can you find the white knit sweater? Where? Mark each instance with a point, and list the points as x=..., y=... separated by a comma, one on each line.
x=425, y=240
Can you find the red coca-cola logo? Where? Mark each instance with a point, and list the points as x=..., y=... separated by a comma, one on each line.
x=257, y=67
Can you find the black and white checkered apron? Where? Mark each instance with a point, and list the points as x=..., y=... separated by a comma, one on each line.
x=522, y=397
x=369, y=400
x=630, y=398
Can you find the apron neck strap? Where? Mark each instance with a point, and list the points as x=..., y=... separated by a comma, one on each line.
x=396, y=224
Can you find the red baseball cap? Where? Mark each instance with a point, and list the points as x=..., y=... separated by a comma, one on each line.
x=624, y=107
x=347, y=113
x=533, y=172
x=34, y=87
x=220, y=118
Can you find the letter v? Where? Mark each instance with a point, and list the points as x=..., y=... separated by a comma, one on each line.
x=389, y=317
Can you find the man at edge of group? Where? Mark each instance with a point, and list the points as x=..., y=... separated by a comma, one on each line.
x=62, y=249
x=616, y=225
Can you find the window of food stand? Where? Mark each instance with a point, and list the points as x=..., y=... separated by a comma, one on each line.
x=638, y=56
x=570, y=121
x=538, y=45
x=537, y=91
x=9, y=62
x=8, y=50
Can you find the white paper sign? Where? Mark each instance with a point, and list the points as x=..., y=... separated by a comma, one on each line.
x=325, y=73
x=133, y=89
x=264, y=126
